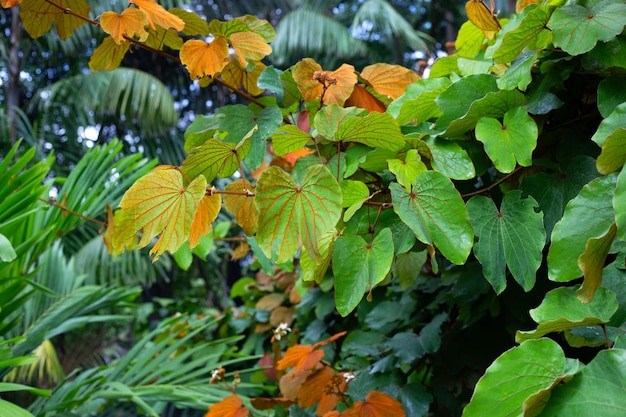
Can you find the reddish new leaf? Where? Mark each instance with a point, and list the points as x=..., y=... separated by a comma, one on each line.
x=313, y=82
x=302, y=357
x=363, y=99
x=229, y=407
x=315, y=386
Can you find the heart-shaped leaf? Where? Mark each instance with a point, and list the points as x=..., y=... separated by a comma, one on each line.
x=311, y=78
x=38, y=15
x=157, y=15
x=204, y=59
x=376, y=129
x=130, y=22
x=108, y=55
x=389, y=80
x=240, y=201
x=407, y=171
x=328, y=119
x=215, y=158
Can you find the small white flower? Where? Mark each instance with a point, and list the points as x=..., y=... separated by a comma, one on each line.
x=215, y=374
x=349, y=376
x=282, y=330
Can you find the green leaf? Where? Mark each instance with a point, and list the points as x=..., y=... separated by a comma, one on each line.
x=450, y=159
x=200, y=130
x=354, y=193
x=531, y=34
x=407, y=171
x=435, y=212
x=316, y=270
x=267, y=122
x=589, y=215
x=611, y=93
x=289, y=138
x=612, y=53
x=11, y=410
x=372, y=263
x=183, y=257
x=513, y=237
x=469, y=40
x=592, y=262
x=328, y=120
x=577, y=29
x=215, y=158
x=511, y=142
x=519, y=74
x=561, y=310
x=237, y=121
x=270, y=80
x=518, y=380
x=7, y=253
x=599, y=389
x=613, y=155
x=292, y=209
x=418, y=101
x=409, y=347
x=619, y=204
x=406, y=267
x=608, y=126
x=376, y=129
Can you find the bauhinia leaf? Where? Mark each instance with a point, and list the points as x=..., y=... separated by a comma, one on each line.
x=511, y=142
x=376, y=129
x=483, y=17
x=38, y=15
x=561, y=310
x=108, y=55
x=407, y=171
x=619, y=204
x=435, y=212
x=526, y=372
x=530, y=34
x=291, y=210
x=242, y=205
x=588, y=215
x=310, y=77
x=592, y=261
x=376, y=404
x=389, y=80
x=229, y=407
x=130, y=22
x=354, y=193
x=289, y=138
x=157, y=15
x=512, y=236
x=249, y=46
x=208, y=209
x=158, y=203
x=239, y=77
x=353, y=279
x=203, y=59
x=329, y=118
x=215, y=158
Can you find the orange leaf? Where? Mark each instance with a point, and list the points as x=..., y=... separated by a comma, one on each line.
x=389, y=80
x=482, y=16
x=208, y=209
x=303, y=357
x=158, y=203
x=9, y=3
x=240, y=251
x=520, y=5
x=229, y=407
x=329, y=340
x=291, y=383
x=314, y=387
x=157, y=15
x=333, y=413
x=363, y=99
x=108, y=55
x=249, y=46
x=377, y=404
x=238, y=77
x=130, y=22
x=38, y=15
x=292, y=157
x=269, y=403
x=242, y=206
x=311, y=80
x=203, y=59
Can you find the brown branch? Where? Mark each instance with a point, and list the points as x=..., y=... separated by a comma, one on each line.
x=53, y=203
x=491, y=186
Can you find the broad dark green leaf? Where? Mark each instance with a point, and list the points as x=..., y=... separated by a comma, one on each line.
x=512, y=236
x=611, y=93
x=456, y=100
x=531, y=33
x=291, y=210
x=599, y=389
x=588, y=215
x=450, y=159
x=236, y=121
x=270, y=80
x=409, y=347
x=518, y=380
x=407, y=266
x=511, y=142
x=435, y=212
x=268, y=120
x=200, y=130
x=612, y=53
x=379, y=130
x=577, y=29
x=371, y=264
x=619, y=204
x=561, y=310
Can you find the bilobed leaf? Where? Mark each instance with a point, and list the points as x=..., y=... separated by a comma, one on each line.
x=237, y=76
x=376, y=129
x=130, y=22
x=376, y=404
x=354, y=194
x=158, y=203
x=249, y=46
x=229, y=407
x=306, y=74
x=589, y=215
x=592, y=261
x=435, y=212
x=328, y=119
x=208, y=209
x=530, y=34
x=372, y=263
x=203, y=59
x=561, y=310
x=407, y=171
x=599, y=387
x=418, y=101
x=511, y=142
x=469, y=40
x=526, y=372
x=108, y=55
x=215, y=158
x=619, y=204
x=194, y=24
x=293, y=210
x=483, y=17
x=389, y=80
x=157, y=15
x=242, y=206
x=577, y=29
x=289, y=138
x=38, y=15
x=512, y=236
x=450, y=159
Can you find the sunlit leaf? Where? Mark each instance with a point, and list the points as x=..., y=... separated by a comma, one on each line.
x=108, y=55
x=418, y=101
x=407, y=171
x=242, y=205
x=363, y=99
x=613, y=155
x=592, y=262
x=130, y=22
x=194, y=24
x=208, y=209
x=576, y=28
x=482, y=16
x=316, y=270
x=389, y=80
x=376, y=404
x=215, y=158
x=229, y=407
x=289, y=138
x=354, y=193
x=435, y=212
x=561, y=310
x=329, y=118
x=259, y=26
x=203, y=59
x=158, y=203
x=7, y=253
x=38, y=15
x=376, y=129
x=249, y=46
x=310, y=77
x=449, y=158
x=512, y=237
x=354, y=279
x=238, y=77
x=530, y=34
x=157, y=15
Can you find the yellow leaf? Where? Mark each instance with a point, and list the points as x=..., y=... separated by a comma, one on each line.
x=240, y=251
x=249, y=46
x=203, y=59
x=158, y=203
x=238, y=77
x=130, y=22
x=157, y=15
x=9, y=3
x=108, y=235
x=108, y=55
x=229, y=407
x=38, y=15
x=315, y=84
x=208, y=209
x=482, y=16
x=389, y=80
x=242, y=206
